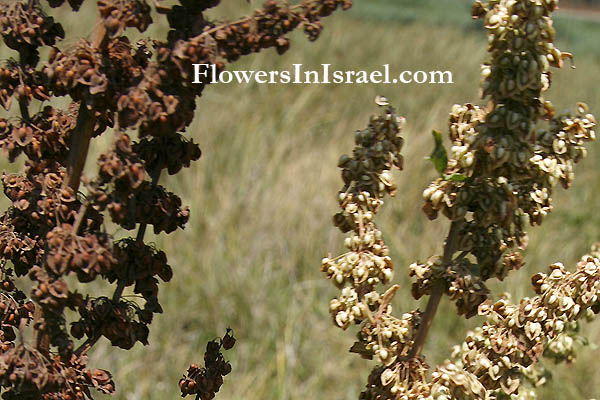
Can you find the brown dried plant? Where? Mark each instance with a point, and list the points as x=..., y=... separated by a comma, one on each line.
x=496, y=182
x=55, y=231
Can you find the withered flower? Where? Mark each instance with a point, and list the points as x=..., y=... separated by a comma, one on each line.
x=55, y=227
x=496, y=181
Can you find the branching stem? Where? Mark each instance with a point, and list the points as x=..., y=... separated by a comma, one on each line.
x=216, y=28
x=89, y=343
x=437, y=291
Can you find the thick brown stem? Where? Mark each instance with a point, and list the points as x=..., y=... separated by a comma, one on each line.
x=78, y=153
x=42, y=341
x=79, y=146
x=427, y=320
x=85, y=127
x=437, y=291
x=75, y=163
x=22, y=103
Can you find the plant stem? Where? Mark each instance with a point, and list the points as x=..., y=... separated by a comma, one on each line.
x=436, y=292
x=79, y=146
x=22, y=103
x=155, y=175
x=75, y=162
x=89, y=343
x=84, y=129
x=24, y=110
x=80, y=217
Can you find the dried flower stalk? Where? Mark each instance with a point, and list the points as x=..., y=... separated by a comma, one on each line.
x=497, y=180
x=55, y=227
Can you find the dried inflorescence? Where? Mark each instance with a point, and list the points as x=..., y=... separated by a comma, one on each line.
x=367, y=264
x=497, y=180
x=366, y=180
x=33, y=376
x=25, y=27
x=115, y=320
x=15, y=309
x=44, y=136
x=404, y=378
x=171, y=152
x=55, y=229
x=502, y=168
x=22, y=82
x=517, y=335
x=205, y=382
x=118, y=15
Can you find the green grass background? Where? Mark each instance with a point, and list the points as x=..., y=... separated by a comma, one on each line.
x=263, y=194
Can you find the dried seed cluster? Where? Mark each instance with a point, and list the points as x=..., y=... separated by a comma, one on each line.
x=497, y=181
x=508, y=168
x=86, y=255
x=265, y=29
x=78, y=72
x=44, y=136
x=40, y=204
x=21, y=82
x=404, y=380
x=205, y=382
x=33, y=376
x=120, y=14
x=517, y=335
x=114, y=320
x=139, y=266
x=55, y=227
x=25, y=27
x=171, y=152
x=15, y=309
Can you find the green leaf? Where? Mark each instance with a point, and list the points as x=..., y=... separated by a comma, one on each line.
x=438, y=157
x=455, y=177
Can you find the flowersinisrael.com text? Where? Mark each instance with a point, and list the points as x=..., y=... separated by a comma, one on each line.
x=208, y=73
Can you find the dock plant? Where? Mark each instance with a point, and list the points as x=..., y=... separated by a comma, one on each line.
x=506, y=159
x=65, y=226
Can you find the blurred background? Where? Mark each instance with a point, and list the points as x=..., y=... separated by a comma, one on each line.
x=264, y=191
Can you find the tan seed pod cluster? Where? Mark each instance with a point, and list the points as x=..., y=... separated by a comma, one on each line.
x=517, y=335
x=358, y=273
x=496, y=181
x=403, y=380
x=367, y=179
x=507, y=169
